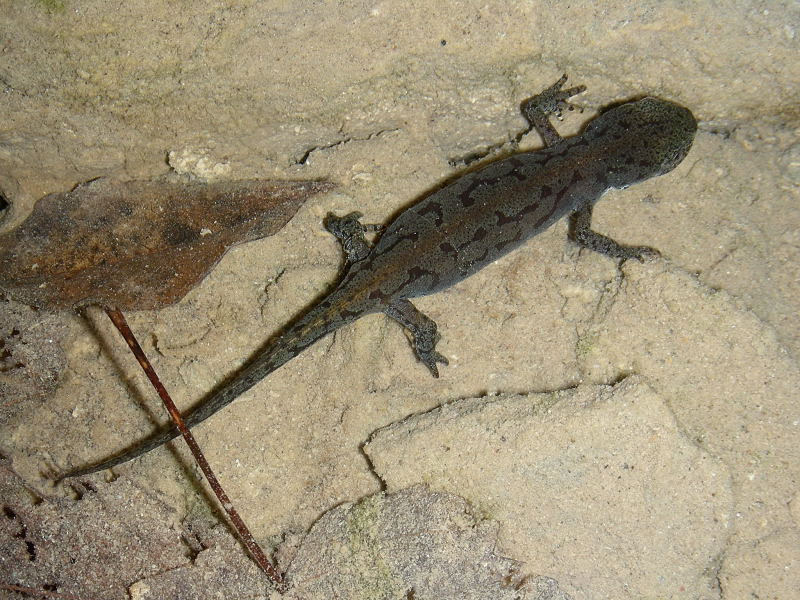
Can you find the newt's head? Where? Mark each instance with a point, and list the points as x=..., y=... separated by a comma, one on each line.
x=646, y=138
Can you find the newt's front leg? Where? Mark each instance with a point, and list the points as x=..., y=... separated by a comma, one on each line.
x=581, y=233
x=550, y=102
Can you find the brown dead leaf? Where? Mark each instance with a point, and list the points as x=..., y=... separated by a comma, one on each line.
x=138, y=245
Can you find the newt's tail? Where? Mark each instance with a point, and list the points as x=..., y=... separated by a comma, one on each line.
x=324, y=318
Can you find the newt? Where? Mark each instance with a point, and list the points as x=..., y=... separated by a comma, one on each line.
x=462, y=227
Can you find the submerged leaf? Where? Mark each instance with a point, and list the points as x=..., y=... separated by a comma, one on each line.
x=138, y=245
x=414, y=543
x=95, y=547
x=32, y=361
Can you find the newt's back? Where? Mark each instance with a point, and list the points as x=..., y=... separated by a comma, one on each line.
x=484, y=214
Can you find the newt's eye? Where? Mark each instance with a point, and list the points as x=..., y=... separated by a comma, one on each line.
x=4, y=203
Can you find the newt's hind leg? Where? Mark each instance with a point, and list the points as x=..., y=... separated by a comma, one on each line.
x=350, y=233
x=580, y=232
x=423, y=333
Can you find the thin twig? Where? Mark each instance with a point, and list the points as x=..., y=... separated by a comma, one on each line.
x=258, y=555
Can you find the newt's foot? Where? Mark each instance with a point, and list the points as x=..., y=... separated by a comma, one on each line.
x=640, y=253
x=552, y=100
x=429, y=356
x=350, y=233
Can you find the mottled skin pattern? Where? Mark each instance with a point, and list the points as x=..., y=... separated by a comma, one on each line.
x=457, y=230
